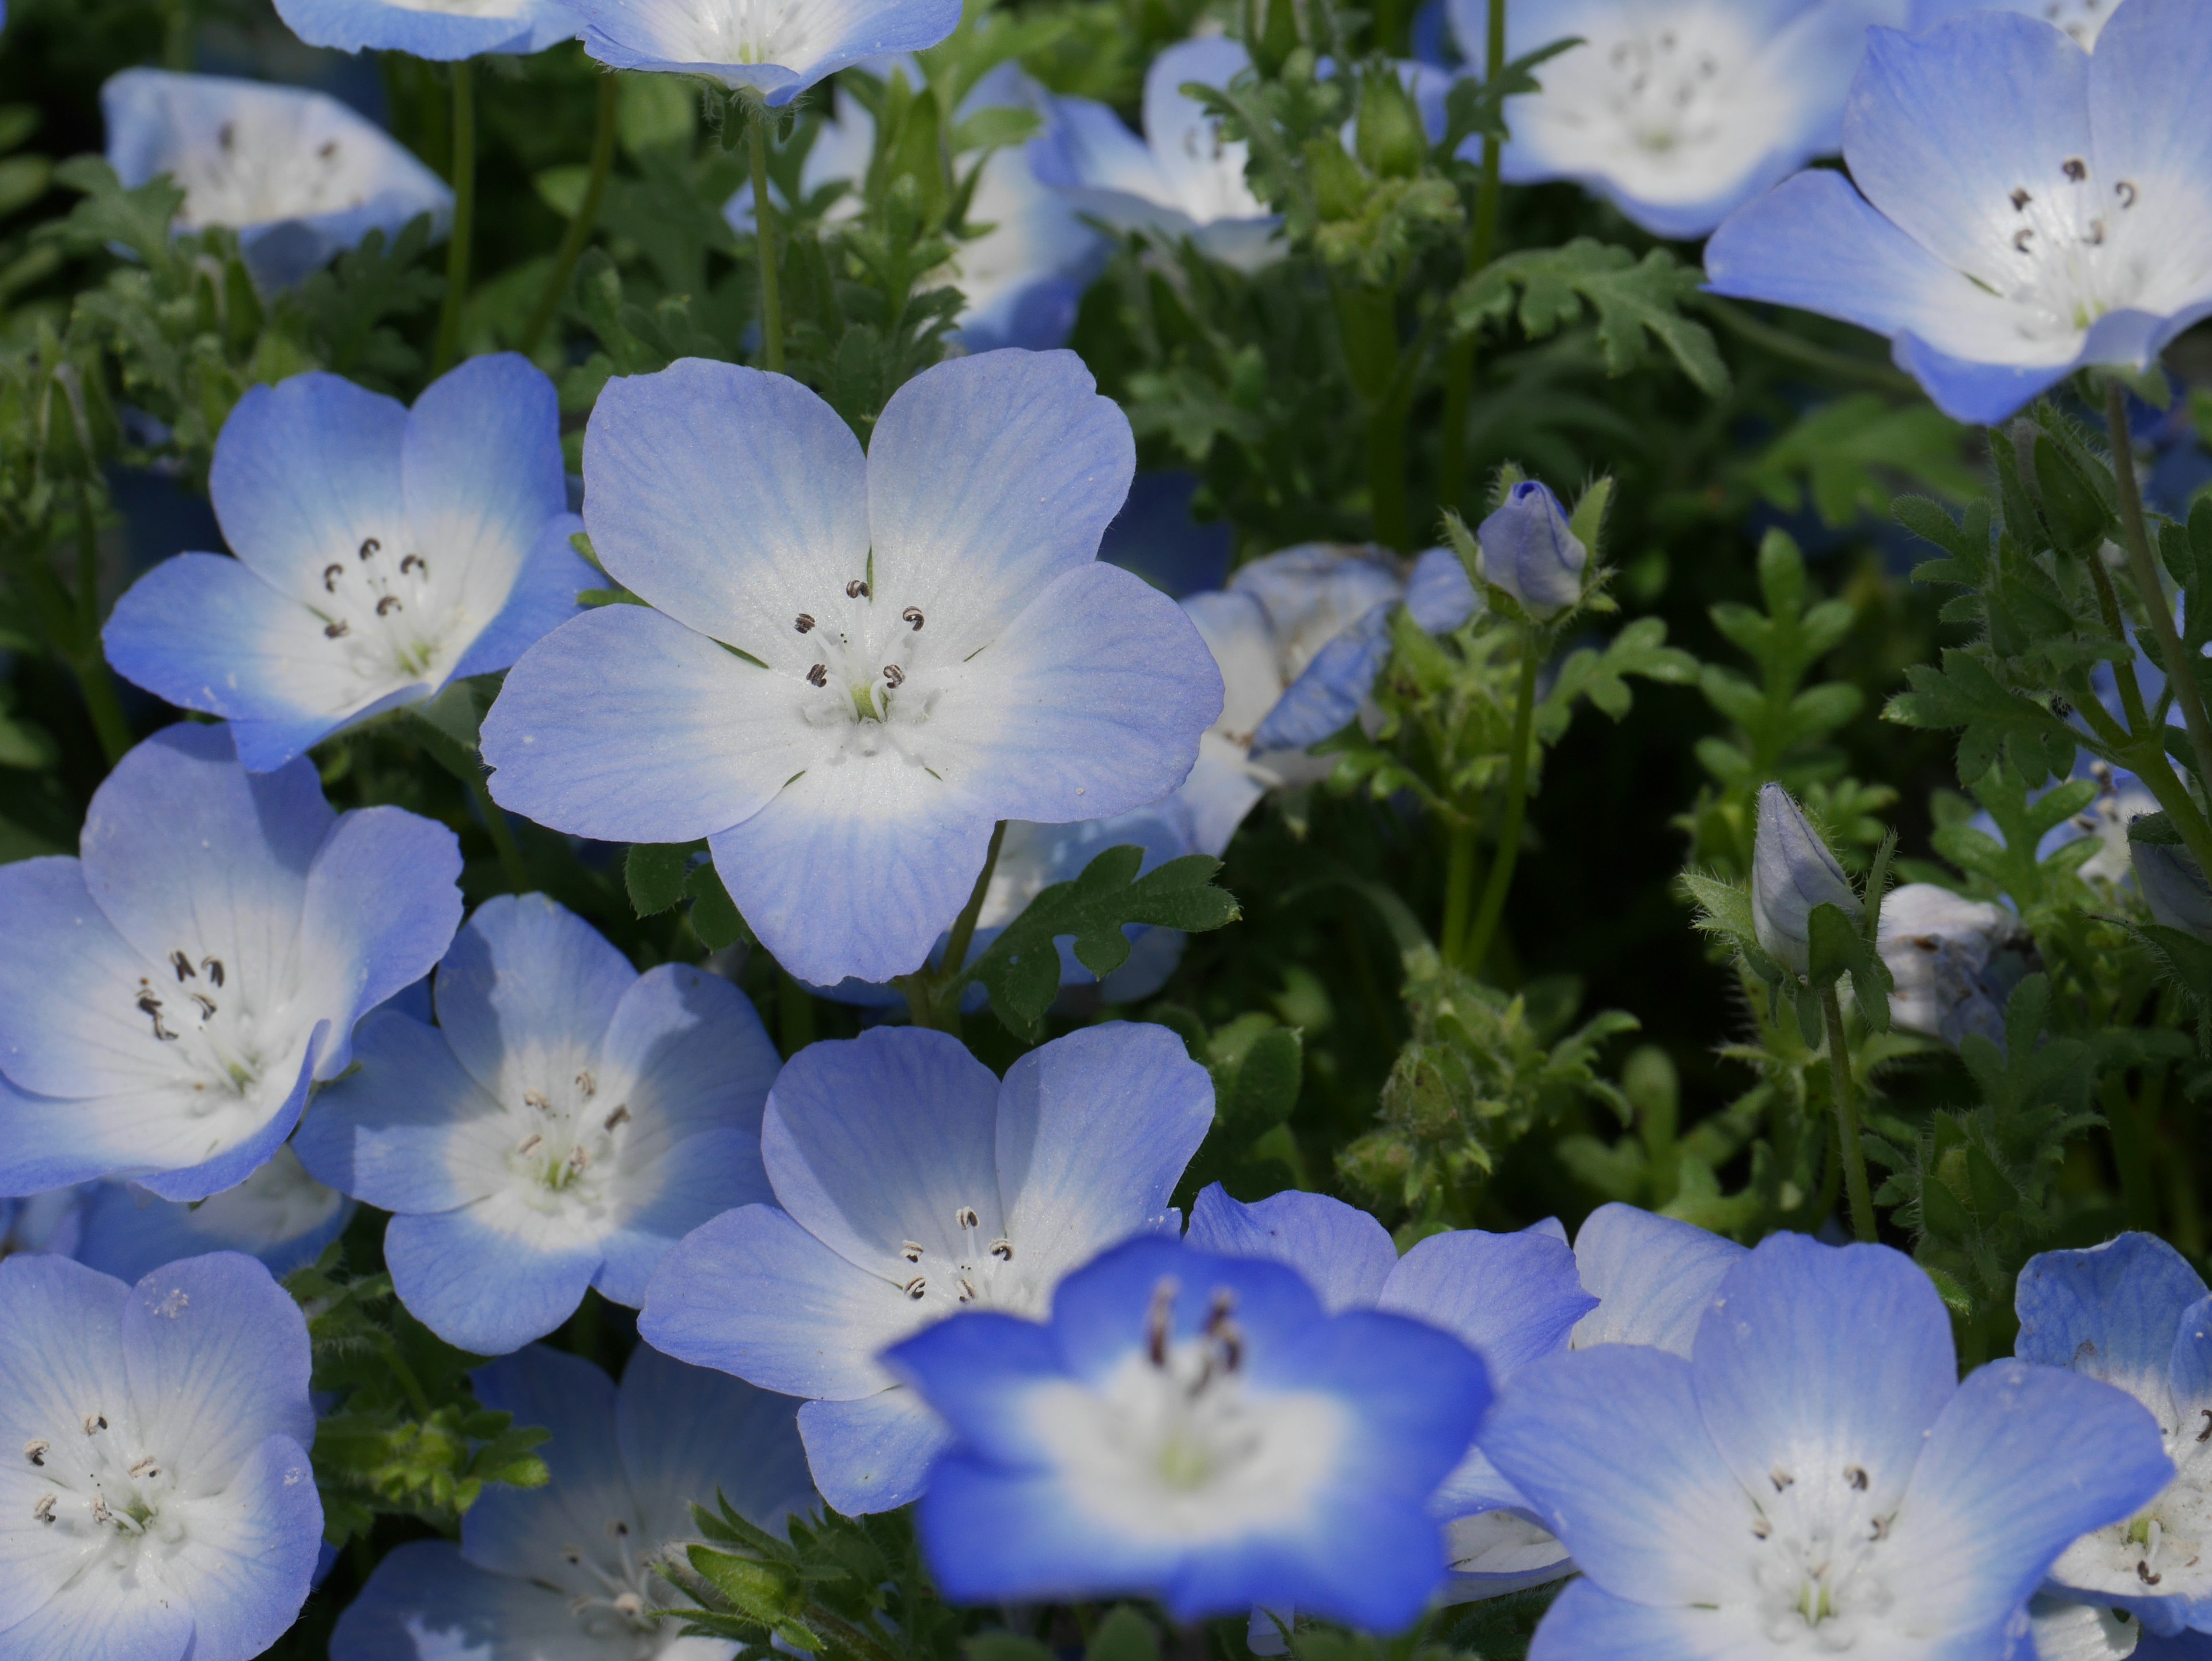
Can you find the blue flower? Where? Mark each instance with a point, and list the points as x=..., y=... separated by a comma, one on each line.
x=280, y=1214
x=1954, y=962
x=1653, y=1277
x=443, y=30
x=2173, y=887
x=1510, y=1298
x=51, y=1221
x=857, y=664
x=1814, y=1474
x=775, y=49
x=1526, y=548
x=159, y=1500
x=298, y=175
x=1792, y=874
x=2083, y=20
x=381, y=552
x=1196, y=1428
x=567, y=1571
x=167, y=1001
x=1299, y=637
x=1674, y=111
x=2133, y=1313
x=909, y=1181
x=2028, y=208
x=1181, y=178
x=567, y=1122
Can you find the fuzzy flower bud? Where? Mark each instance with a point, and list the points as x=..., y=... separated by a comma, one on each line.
x=1793, y=873
x=1528, y=551
x=2173, y=887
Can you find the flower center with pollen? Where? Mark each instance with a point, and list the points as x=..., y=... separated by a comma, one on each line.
x=968, y=1266
x=2071, y=251
x=613, y=1589
x=261, y=167
x=866, y=683
x=1817, y=1540
x=93, y=1485
x=569, y=1136
x=385, y=617
x=747, y=31
x=197, y=1014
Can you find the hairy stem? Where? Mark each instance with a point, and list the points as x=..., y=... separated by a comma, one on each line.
x=502, y=835
x=771, y=293
x=579, y=233
x=1459, y=889
x=2180, y=672
x=964, y=929
x=1847, y=1119
x=448, y=351
x=86, y=659
x=1482, y=243
x=1516, y=803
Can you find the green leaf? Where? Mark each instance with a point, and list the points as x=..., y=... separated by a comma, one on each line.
x=654, y=874
x=1997, y=722
x=1633, y=298
x=714, y=916
x=2157, y=829
x=1123, y=1635
x=1476, y=108
x=1843, y=450
x=1021, y=970
x=2071, y=506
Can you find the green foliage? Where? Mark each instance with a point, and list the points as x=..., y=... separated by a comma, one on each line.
x=1258, y=1067
x=1839, y=454
x=1637, y=303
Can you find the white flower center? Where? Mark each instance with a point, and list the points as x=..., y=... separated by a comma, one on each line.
x=969, y=1265
x=208, y=1029
x=870, y=686
x=611, y=1589
x=743, y=31
x=279, y=1201
x=1818, y=1543
x=386, y=618
x=569, y=1138
x=262, y=168
x=2082, y=19
x=93, y=1482
x=2160, y=1551
x=2072, y=249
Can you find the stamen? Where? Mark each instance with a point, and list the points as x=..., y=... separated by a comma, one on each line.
x=1760, y=1528
x=2021, y=198
x=331, y=573
x=620, y=1116
x=1003, y=1250
x=95, y=1423
x=371, y=546
x=616, y=1529
x=326, y=149
x=99, y=1511
x=214, y=967
x=150, y=1007
x=536, y=1099
x=1856, y=1476
x=818, y=675
x=388, y=604
x=2126, y=191
x=2143, y=1571
x=966, y=1217
x=1158, y=1318
x=146, y=1467
x=910, y=1250
x=895, y=676
x=856, y=589
x=415, y=563
x=337, y=631
x=629, y=1603
x=183, y=966
x=206, y=1004
x=2021, y=238
x=588, y=1084
x=915, y=1288
x=2075, y=168
x=44, y=1511
x=1781, y=1478
x=2205, y=1434
x=530, y=1144
x=1881, y=1529
x=912, y=614
x=578, y=1158
x=805, y=622
x=35, y=1450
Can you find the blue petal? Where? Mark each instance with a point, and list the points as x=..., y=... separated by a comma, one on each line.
x=2022, y=1461
x=439, y=35
x=1331, y=689
x=873, y=1454
x=543, y=599
x=1100, y=1313
x=1983, y=394
x=1439, y=595
x=279, y=1215
x=1589, y=1624
x=753, y=1293
x=2113, y=1312
x=217, y=1355
x=1343, y=1254
x=688, y=1434
x=388, y=1131
x=523, y=1531
x=974, y=1368
x=1815, y=1358
x=488, y=1278
x=86, y=1621
x=665, y=38
x=1652, y=1276
x=425, y=1603
x=2146, y=70
x=625, y=726
x=1510, y=1298
x=526, y=995
x=2191, y=1372
x=249, y=1557
x=664, y=1199
x=1610, y=1447
x=1155, y=536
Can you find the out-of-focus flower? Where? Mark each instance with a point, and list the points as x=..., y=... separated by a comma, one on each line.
x=2173, y=886
x=382, y=552
x=299, y=177
x=1528, y=551
x=1954, y=962
x=774, y=49
x=443, y=30
x=2083, y=20
x=1792, y=874
x=279, y=1214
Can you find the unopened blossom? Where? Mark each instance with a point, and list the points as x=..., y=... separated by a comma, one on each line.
x=1954, y=962
x=1792, y=875
x=1182, y=178
x=1529, y=550
x=1676, y=111
x=1813, y=1478
x=565, y=1123
x=2023, y=208
x=280, y=1215
x=158, y=1503
x=298, y=175
x=168, y=999
x=442, y=30
x=569, y=1571
x=772, y=48
x=851, y=666
x=2173, y=887
x=1194, y=1428
x=381, y=552
x=911, y=1182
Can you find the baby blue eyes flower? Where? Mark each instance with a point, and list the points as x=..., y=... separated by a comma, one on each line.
x=1954, y=962
x=2173, y=886
x=2082, y=19
x=1195, y=1428
x=1792, y=875
x=1181, y=178
x=166, y=1000
x=566, y=1572
x=280, y=1214
x=770, y=47
x=158, y=1502
x=849, y=666
x=298, y=175
x=1528, y=550
x=1813, y=1477
x=442, y=30
x=2024, y=208
x=2133, y=1313
x=567, y=1122
x=910, y=1182
x=1677, y=111
x=381, y=552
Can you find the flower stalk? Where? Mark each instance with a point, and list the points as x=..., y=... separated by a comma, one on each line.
x=1847, y=1120
x=448, y=351
x=579, y=233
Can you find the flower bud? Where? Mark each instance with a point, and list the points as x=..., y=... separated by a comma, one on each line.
x=2173, y=886
x=1793, y=873
x=1529, y=553
x=1954, y=962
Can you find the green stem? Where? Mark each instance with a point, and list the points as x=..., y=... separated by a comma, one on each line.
x=572, y=240
x=963, y=928
x=795, y=1010
x=1516, y=803
x=1782, y=343
x=177, y=30
x=771, y=291
x=85, y=659
x=1847, y=1119
x=2134, y=1160
x=1459, y=889
x=1482, y=243
x=1367, y=320
x=457, y=250
x=502, y=836
x=2180, y=671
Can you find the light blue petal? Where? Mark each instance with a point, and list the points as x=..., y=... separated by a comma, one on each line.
x=1980, y=394
x=437, y=34
x=2191, y=1367
x=1329, y=691
x=203, y=632
x=1652, y=1277
x=217, y=1356
x=874, y=1454
x=988, y=478
x=1439, y=595
x=480, y=1287
x=693, y=1182
x=2145, y=73
x=87, y=1622
x=1510, y=1298
x=753, y=1293
x=543, y=599
x=663, y=35
x=523, y=1531
x=279, y=1215
x=2113, y=1312
x=1045, y=1545
x=305, y=471
x=731, y=499
x=697, y=1050
x=1343, y=1254
x=1814, y=1359
x=2023, y=1460
x=248, y=1560
x=425, y=1603
x=1609, y=1446
x=689, y=1434
x=387, y=1132
x=1590, y=1624
x=526, y=995
x=230, y=1165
